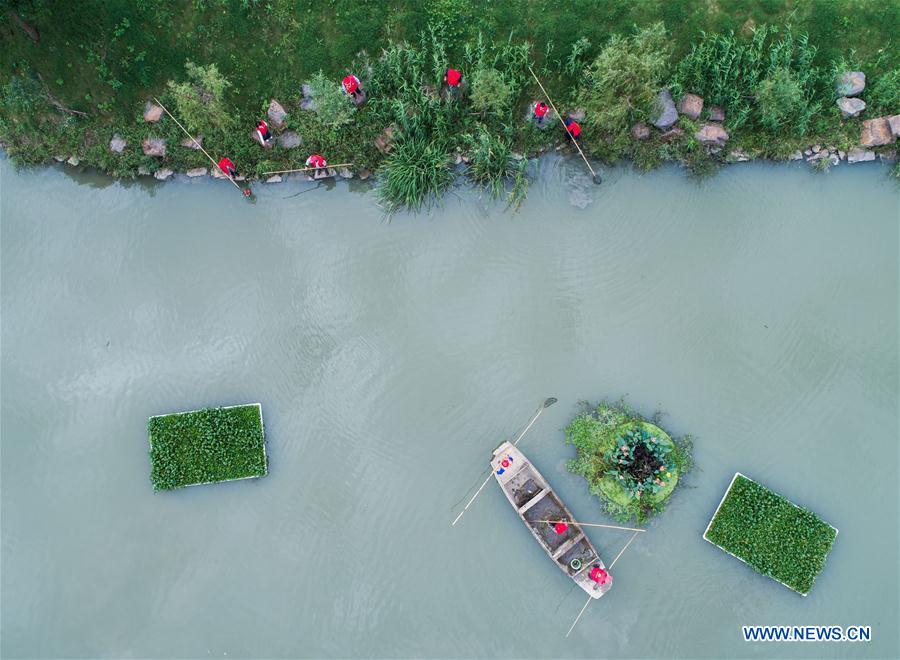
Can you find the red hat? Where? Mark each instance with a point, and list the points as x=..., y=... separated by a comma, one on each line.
x=560, y=527
x=350, y=84
x=453, y=77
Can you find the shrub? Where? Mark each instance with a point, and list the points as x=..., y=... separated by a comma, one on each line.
x=200, y=99
x=629, y=481
x=491, y=160
x=207, y=446
x=883, y=94
x=780, y=98
x=771, y=534
x=621, y=84
x=490, y=91
x=333, y=106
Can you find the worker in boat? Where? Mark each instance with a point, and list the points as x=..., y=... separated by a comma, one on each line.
x=228, y=167
x=318, y=162
x=505, y=463
x=573, y=128
x=560, y=527
x=454, y=80
x=539, y=111
x=350, y=85
x=599, y=575
x=262, y=130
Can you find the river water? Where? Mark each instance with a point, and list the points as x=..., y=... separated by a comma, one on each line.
x=757, y=309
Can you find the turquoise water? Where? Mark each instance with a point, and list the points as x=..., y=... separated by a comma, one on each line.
x=757, y=309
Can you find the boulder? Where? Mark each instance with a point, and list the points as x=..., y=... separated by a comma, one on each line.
x=797, y=155
x=671, y=134
x=275, y=178
x=851, y=83
x=289, y=140
x=162, y=174
x=190, y=144
x=691, y=105
x=196, y=171
x=143, y=170
x=59, y=159
x=117, y=144
x=712, y=135
x=666, y=114
x=578, y=114
x=385, y=141
x=306, y=100
x=716, y=113
x=860, y=155
x=364, y=174
x=850, y=106
x=640, y=131
x=152, y=112
x=154, y=147
x=816, y=148
x=345, y=173
x=876, y=132
x=276, y=114
x=894, y=123
x=738, y=156
x=73, y=161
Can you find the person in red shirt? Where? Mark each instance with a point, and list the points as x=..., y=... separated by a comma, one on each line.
x=599, y=576
x=539, y=110
x=351, y=85
x=262, y=130
x=453, y=77
x=315, y=160
x=228, y=167
x=560, y=527
x=573, y=128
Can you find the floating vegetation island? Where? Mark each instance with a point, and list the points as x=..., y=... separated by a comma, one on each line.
x=771, y=534
x=207, y=446
x=629, y=462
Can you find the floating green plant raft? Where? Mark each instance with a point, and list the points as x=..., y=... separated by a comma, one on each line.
x=773, y=535
x=207, y=446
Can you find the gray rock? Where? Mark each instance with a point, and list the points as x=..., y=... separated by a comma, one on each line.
x=276, y=114
x=640, y=131
x=797, y=155
x=162, y=174
x=851, y=83
x=307, y=102
x=860, y=156
x=671, y=134
x=73, y=161
x=712, y=135
x=817, y=148
x=808, y=152
x=196, y=171
x=289, y=140
x=364, y=174
x=691, y=105
x=738, y=156
x=817, y=156
x=143, y=170
x=188, y=143
x=666, y=114
x=842, y=154
x=345, y=173
x=835, y=159
x=154, y=147
x=850, y=107
x=275, y=178
x=152, y=112
x=578, y=114
x=876, y=132
x=59, y=159
x=716, y=113
x=385, y=141
x=894, y=123
x=117, y=144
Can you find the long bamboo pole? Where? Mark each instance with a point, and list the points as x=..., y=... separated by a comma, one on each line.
x=307, y=169
x=581, y=524
x=622, y=551
x=559, y=116
x=200, y=147
x=572, y=627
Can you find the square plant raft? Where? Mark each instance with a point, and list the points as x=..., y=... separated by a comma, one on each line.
x=207, y=446
x=771, y=534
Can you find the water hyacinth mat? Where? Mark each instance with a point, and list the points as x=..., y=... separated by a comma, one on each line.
x=207, y=446
x=771, y=534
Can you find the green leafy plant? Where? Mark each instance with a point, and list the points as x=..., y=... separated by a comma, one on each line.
x=629, y=462
x=200, y=100
x=883, y=94
x=491, y=160
x=206, y=446
x=333, y=106
x=416, y=171
x=771, y=534
x=490, y=91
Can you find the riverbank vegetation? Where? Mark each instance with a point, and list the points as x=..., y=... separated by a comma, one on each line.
x=207, y=446
x=629, y=462
x=771, y=534
x=76, y=76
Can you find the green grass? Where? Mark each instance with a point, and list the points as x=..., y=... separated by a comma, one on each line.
x=207, y=446
x=771, y=534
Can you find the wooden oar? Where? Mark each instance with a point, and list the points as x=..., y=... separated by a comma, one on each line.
x=621, y=552
x=547, y=403
x=562, y=121
x=307, y=169
x=581, y=524
x=244, y=192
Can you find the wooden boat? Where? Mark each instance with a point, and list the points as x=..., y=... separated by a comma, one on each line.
x=534, y=501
